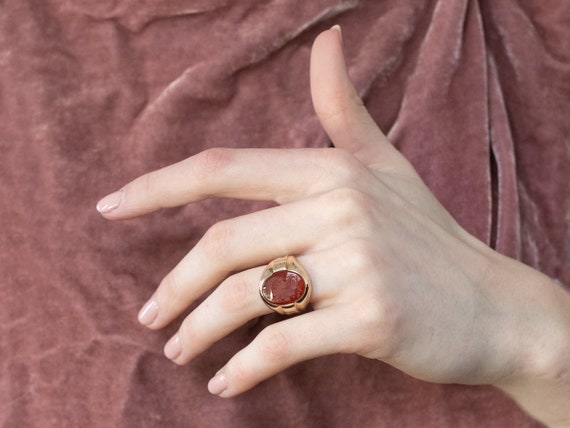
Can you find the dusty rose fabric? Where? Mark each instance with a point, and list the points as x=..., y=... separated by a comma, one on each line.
x=94, y=93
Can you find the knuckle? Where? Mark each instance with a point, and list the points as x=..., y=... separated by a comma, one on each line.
x=372, y=262
x=275, y=345
x=352, y=207
x=383, y=314
x=193, y=338
x=376, y=308
x=381, y=319
x=363, y=257
x=172, y=284
x=372, y=315
x=217, y=239
x=356, y=199
x=344, y=166
x=211, y=162
x=233, y=292
x=238, y=373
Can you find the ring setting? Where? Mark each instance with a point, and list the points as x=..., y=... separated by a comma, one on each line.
x=285, y=286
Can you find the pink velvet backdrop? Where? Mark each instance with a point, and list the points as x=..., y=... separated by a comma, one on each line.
x=92, y=94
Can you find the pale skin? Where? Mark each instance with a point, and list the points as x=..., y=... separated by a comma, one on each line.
x=425, y=296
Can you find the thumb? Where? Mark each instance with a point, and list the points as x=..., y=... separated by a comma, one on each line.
x=340, y=109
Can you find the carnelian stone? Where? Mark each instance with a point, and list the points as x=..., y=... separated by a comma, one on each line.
x=283, y=287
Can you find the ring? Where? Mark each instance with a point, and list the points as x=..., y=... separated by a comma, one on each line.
x=285, y=286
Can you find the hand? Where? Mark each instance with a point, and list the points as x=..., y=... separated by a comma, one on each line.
x=395, y=277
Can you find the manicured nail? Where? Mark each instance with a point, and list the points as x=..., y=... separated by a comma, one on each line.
x=218, y=383
x=149, y=312
x=337, y=28
x=172, y=349
x=110, y=202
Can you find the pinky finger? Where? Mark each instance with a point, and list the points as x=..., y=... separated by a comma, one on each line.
x=280, y=346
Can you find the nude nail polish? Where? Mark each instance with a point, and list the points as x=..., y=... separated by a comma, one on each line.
x=339, y=30
x=149, y=312
x=218, y=383
x=110, y=202
x=172, y=349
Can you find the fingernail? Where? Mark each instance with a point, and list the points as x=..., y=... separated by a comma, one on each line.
x=339, y=30
x=149, y=312
x=218, y=383
x=110, y=202
x=172, y=349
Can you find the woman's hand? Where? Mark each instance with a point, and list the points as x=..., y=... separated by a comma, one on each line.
x=395, y=277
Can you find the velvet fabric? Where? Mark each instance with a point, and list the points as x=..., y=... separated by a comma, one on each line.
x=476, y=93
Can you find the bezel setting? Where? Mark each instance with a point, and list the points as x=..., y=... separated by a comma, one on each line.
x=291, y=264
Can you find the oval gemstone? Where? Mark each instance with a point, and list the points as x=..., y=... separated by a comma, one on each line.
x=283, y=287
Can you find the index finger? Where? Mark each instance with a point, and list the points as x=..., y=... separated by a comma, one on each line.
x=257, y=174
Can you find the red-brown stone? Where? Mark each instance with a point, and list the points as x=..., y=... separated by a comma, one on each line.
x=283, y=287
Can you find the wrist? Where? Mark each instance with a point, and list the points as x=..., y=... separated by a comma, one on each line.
x=538, y=378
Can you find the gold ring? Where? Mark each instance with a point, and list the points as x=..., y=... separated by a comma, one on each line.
x=285, y=286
